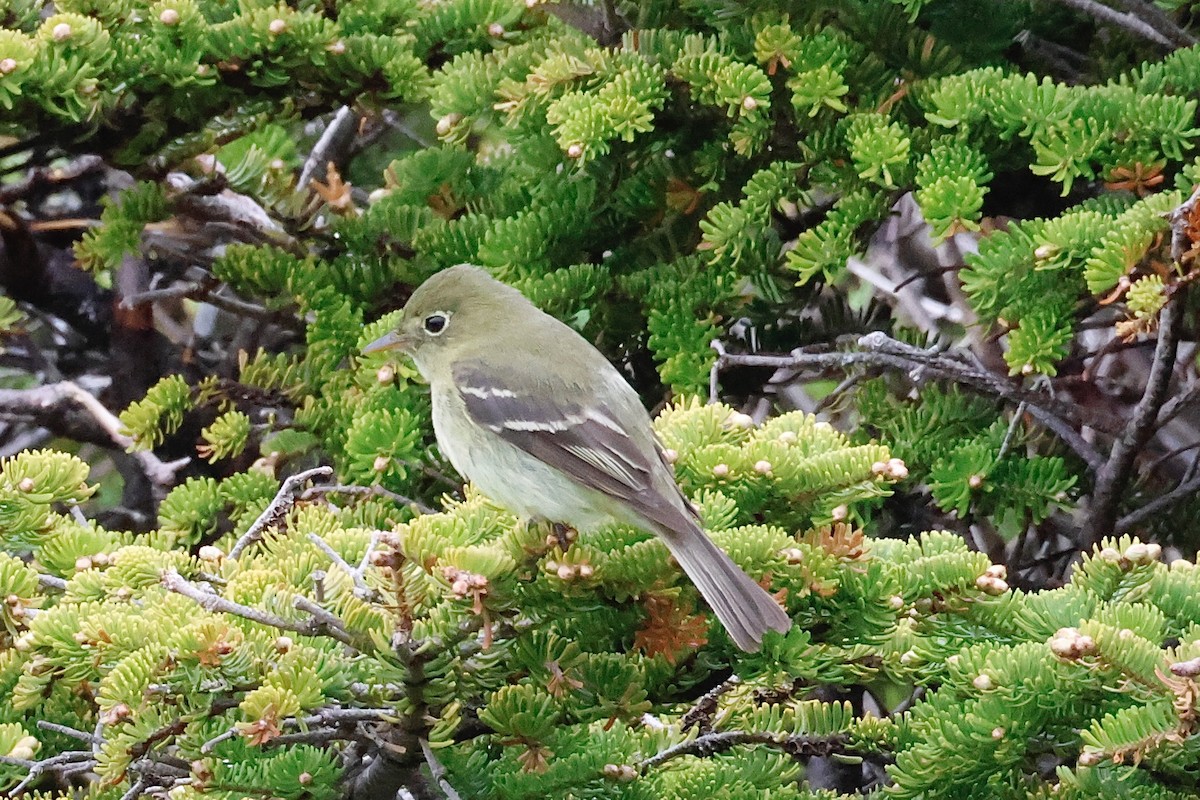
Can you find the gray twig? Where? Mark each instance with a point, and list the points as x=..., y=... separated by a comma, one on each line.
x=361, y=590
x=712, y=743
x=1127, y=22
x=374, y=490
x=52, y=581
x=323, y=624
x=438, y=771
x=332, y=147
x=1158, y=19
x=74, y=733
x=279, y=508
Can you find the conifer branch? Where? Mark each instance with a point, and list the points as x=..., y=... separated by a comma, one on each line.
x=712, y=743
x=1113, y=477
x=438, y=771
x=880, y=351
x=55, y=406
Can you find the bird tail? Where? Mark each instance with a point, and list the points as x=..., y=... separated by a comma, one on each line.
x=745, y=609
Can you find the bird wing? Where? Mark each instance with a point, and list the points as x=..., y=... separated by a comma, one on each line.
x=581, y=440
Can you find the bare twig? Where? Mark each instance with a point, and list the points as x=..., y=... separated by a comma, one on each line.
x=374, y=490
x=438, y=772
x=279, y=508
x=326, y=625
x=1156, y=506
x=49, y=405
x=74, y=733
x=51, y=581
x=879, y=351
x=1127, y=22
x=135, y=791
x=1111, y=480
x=1178, y=403
x=207, y=292
x=713, y=743
x=1158, y=19
x=700, y=715
x=333, y=145
x=56, y=763
x=334, y=718
x=361, y=590
x=1114, y=475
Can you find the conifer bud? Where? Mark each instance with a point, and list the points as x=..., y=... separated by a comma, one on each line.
x=1110, y=554
x=1090, y=758
x=26, y=485
x=447, y=123
x=83, y=563
x=739, y=420
x=998, y=733
x=336, y=48
x=381, y=463
x=975, y=481
x=8, y=66
x=210, y=553
x=496, y=30
x=991, y=585
x=565, y=572
x=61, y=32
x=788, y=437
x=983, y=682
x=385, y=374
x=25, y=748
x=622, y=773
x=749, y=103
x=762, y=467
x=839, y=513
x=793, y=555
x=575, y=151
x=1069, y=643
x=720, y=471
x=283, y=644
x=586, y=570
x=277, y=26
x=169, y=16
x=670, y=456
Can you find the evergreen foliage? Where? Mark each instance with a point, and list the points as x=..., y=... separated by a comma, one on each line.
x=653, y=174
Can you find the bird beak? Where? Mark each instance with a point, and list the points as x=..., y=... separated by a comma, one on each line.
x=390, y=341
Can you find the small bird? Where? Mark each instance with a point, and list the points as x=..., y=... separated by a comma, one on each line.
x=543, y=424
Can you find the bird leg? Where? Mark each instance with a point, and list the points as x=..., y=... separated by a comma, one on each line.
x=561, y=534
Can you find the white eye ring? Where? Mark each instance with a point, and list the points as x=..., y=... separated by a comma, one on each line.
x=436, y=323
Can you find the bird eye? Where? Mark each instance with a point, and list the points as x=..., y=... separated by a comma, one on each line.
x=436, y=323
